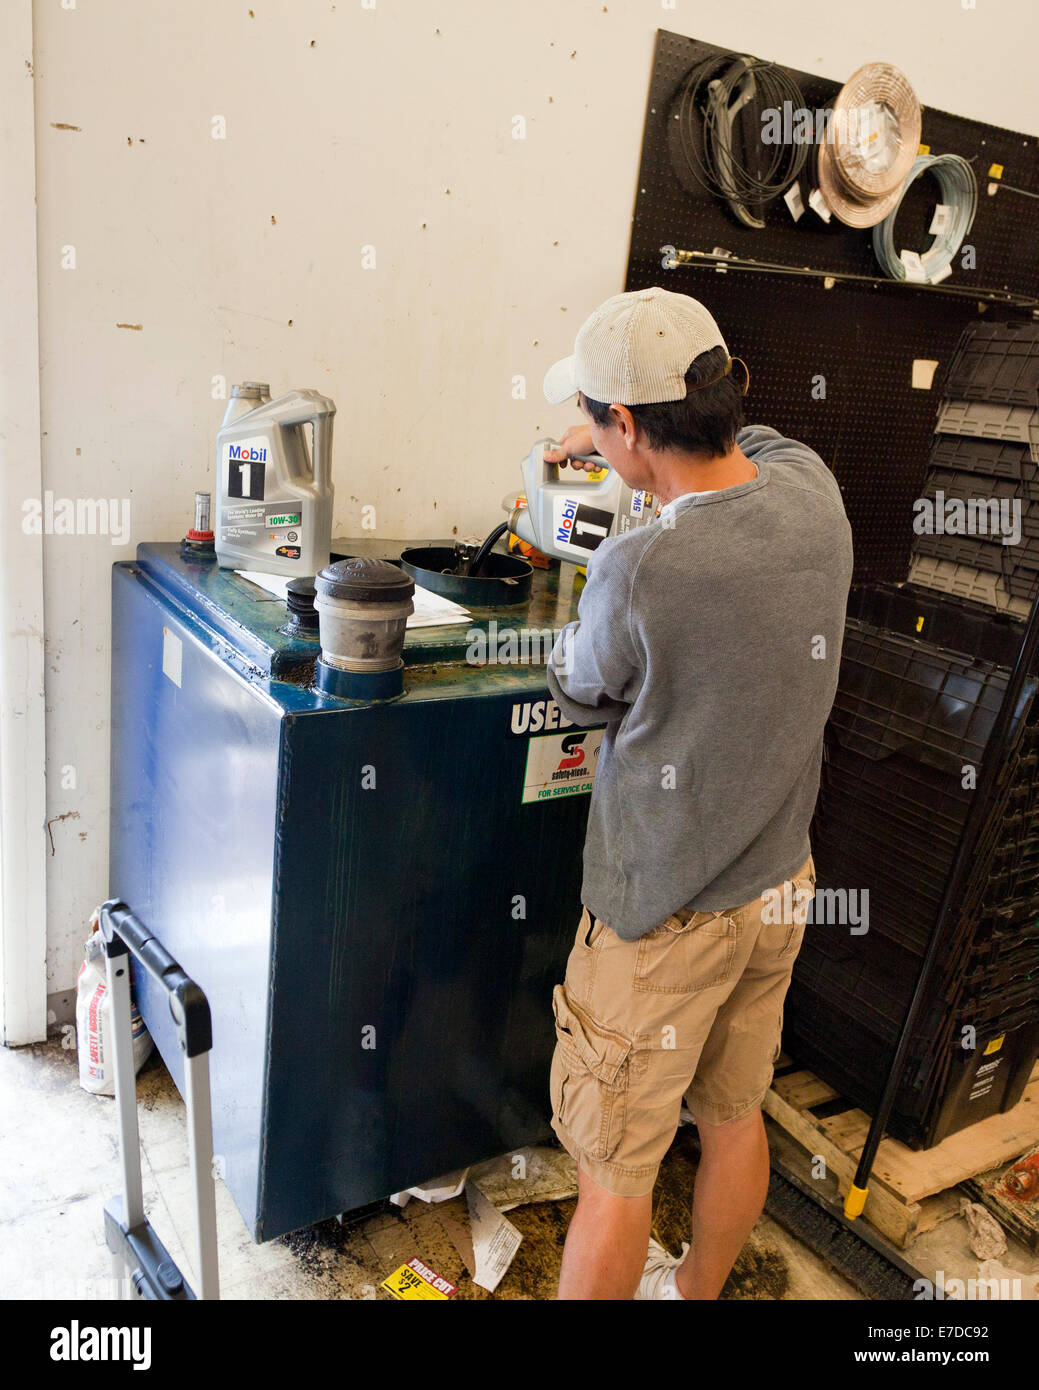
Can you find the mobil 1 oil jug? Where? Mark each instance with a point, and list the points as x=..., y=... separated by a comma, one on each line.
x=273, y=495
x=569, y=520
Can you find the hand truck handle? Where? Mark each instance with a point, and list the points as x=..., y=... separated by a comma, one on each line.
x=125, y=933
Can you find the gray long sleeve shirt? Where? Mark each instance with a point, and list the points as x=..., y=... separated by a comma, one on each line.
x=710, y=647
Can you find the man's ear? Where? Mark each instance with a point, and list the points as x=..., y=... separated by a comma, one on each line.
x=625, y=422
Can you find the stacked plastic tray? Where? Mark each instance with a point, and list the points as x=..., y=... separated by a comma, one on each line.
x=924, y=669
x=987, y=447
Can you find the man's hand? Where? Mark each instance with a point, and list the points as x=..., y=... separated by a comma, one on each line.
x=576, y=440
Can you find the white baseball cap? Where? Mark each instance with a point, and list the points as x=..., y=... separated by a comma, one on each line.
x=635, y=349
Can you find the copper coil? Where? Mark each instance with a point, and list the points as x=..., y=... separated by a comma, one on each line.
x=854, y=212
x=887, y=87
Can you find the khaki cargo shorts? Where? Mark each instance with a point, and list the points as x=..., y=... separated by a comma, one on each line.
x=693, y=1010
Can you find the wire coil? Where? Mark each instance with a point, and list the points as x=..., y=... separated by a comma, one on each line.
x=871, y=136
x=701, y=155
x=959, y=190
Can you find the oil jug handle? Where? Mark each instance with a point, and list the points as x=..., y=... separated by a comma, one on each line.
x=296, y=408
x=322, y=460
x=301, y=408
x=550, y=471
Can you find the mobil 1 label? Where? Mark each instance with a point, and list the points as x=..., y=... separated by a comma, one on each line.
x=245, y=468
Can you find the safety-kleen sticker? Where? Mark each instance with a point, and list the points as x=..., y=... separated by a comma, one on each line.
x=561, y=765
x=416, y=1280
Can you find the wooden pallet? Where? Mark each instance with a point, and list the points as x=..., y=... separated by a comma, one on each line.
x=1016, y=1212
x=911, y=1190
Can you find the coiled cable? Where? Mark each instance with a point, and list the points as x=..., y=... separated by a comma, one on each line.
x=702, y=154
x=959, y=190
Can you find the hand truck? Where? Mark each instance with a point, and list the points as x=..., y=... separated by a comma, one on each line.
x=140, y=1262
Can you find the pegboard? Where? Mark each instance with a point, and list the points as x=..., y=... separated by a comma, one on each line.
x=873, y=428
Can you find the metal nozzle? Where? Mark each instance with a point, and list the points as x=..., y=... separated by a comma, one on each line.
x=202, y=511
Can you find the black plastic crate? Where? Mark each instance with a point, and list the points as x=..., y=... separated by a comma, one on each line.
x=990, y=978
x=992, y=458
x=1009, y=1007
x=996, y=960
x=870, y=982
x=922, y=678
x=988, y=949
x=987, y=1080
x=970, y=487
x=1017, y=853
x=1026, y=906
x=1016, y=565
x=854, y=1062
x=897, y=695
x=896, y=790
x=1009, y=921
x=997, y=939
x=891, y=820
x=1022, y=807
x=845, y=837
x=1023, y=583
x=996, y=362
x=904, y=894
x=945, y=1089
x=956, y=624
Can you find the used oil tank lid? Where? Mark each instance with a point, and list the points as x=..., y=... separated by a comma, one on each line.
x=363, y=580
x=251, y=391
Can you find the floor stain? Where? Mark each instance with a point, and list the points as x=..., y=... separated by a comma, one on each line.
x=387, y=1237
x=333, y=1259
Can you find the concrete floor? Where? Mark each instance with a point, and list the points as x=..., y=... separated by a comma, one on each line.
x=59, y=1157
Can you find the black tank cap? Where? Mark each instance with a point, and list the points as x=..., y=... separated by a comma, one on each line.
x=365, y=581
x=299, y=600
x=300, y=594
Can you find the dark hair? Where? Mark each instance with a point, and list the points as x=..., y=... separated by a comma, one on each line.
x=704, y=422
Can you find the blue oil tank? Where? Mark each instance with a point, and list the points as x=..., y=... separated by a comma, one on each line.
x=376, y=896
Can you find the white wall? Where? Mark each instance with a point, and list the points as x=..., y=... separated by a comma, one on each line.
x=23, y=870
x=348, y=126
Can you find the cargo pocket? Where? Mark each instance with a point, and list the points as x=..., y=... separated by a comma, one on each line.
x=589, y=1082
x=682, y=957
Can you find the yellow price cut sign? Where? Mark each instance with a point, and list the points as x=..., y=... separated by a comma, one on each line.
x=417, y=1280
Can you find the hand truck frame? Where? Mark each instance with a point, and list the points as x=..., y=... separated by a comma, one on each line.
x=140, y=1261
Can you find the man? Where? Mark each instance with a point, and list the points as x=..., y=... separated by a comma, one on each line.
x=709, y=642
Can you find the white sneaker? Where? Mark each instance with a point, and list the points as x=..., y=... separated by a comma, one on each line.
x=658, y=1278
